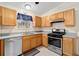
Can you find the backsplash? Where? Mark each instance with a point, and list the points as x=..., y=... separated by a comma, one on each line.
x=17, y=28
x=58, y=25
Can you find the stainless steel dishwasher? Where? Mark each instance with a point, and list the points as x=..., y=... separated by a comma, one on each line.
x=13, y=46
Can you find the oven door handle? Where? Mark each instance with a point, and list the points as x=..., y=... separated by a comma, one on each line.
x=53, y=37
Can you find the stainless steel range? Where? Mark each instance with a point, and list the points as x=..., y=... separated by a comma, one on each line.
x=55, y=40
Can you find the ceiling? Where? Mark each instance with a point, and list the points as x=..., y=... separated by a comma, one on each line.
x=39, y=9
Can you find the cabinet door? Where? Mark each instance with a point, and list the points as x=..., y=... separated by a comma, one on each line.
x=46, y=21
x=38, y=21
x=39, y=40
x=53, y=17
x=43, y=21
x=0, y=11
x=0, y=15
x=33, y=22
x=33, y=42
x=2, y=48
x=9, y=16
x=60, y=15
x=25, y=44
x=69, y=17
x=45, y=40
x=48, y=24
x=56, y=16
x=68, y=46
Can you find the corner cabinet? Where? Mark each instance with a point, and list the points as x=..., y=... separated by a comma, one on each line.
x=69, y=17
x=68, y=46
x=7, y=16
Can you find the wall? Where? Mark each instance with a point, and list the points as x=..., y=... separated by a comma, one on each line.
x=65, y=6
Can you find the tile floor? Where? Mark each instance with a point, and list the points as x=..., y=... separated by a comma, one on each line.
x=45, y=52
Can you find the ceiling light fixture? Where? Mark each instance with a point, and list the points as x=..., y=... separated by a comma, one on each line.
x=36, y=2
x=27, y=6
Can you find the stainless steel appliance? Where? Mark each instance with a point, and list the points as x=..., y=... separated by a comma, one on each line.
x=13, y=46
x=55, y=39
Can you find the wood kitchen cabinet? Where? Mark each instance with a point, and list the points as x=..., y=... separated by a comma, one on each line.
x=43, y=21
x=31, y=41
x=69, y=17
x=46, y=21
x=68, y=46
x=7, y=16
x=38, y=21
x=39, y=39
x=25, y=44
x=35, y=40
x=45, y=40
x=1, y=47
x=59, y=15
x=53, y=17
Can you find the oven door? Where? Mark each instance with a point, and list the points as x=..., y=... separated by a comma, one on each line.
x=54, y=41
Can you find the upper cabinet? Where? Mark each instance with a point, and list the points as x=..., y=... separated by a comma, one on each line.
x=7, y=16
x=46, y=21
x=56, y=16
x=69, y=17
x=60, y=15
x=43, y=21
x=37, y=21
x=53, y=17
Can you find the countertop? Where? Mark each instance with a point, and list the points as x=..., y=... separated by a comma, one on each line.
x=11, y=35
x=7, y=35
x=71, y=35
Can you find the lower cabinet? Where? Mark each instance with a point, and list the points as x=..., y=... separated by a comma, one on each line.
x=45, y=40
x=1, y=47
x=25, y=44
x=31, y=41
x=68, y=46
x=39, y=40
